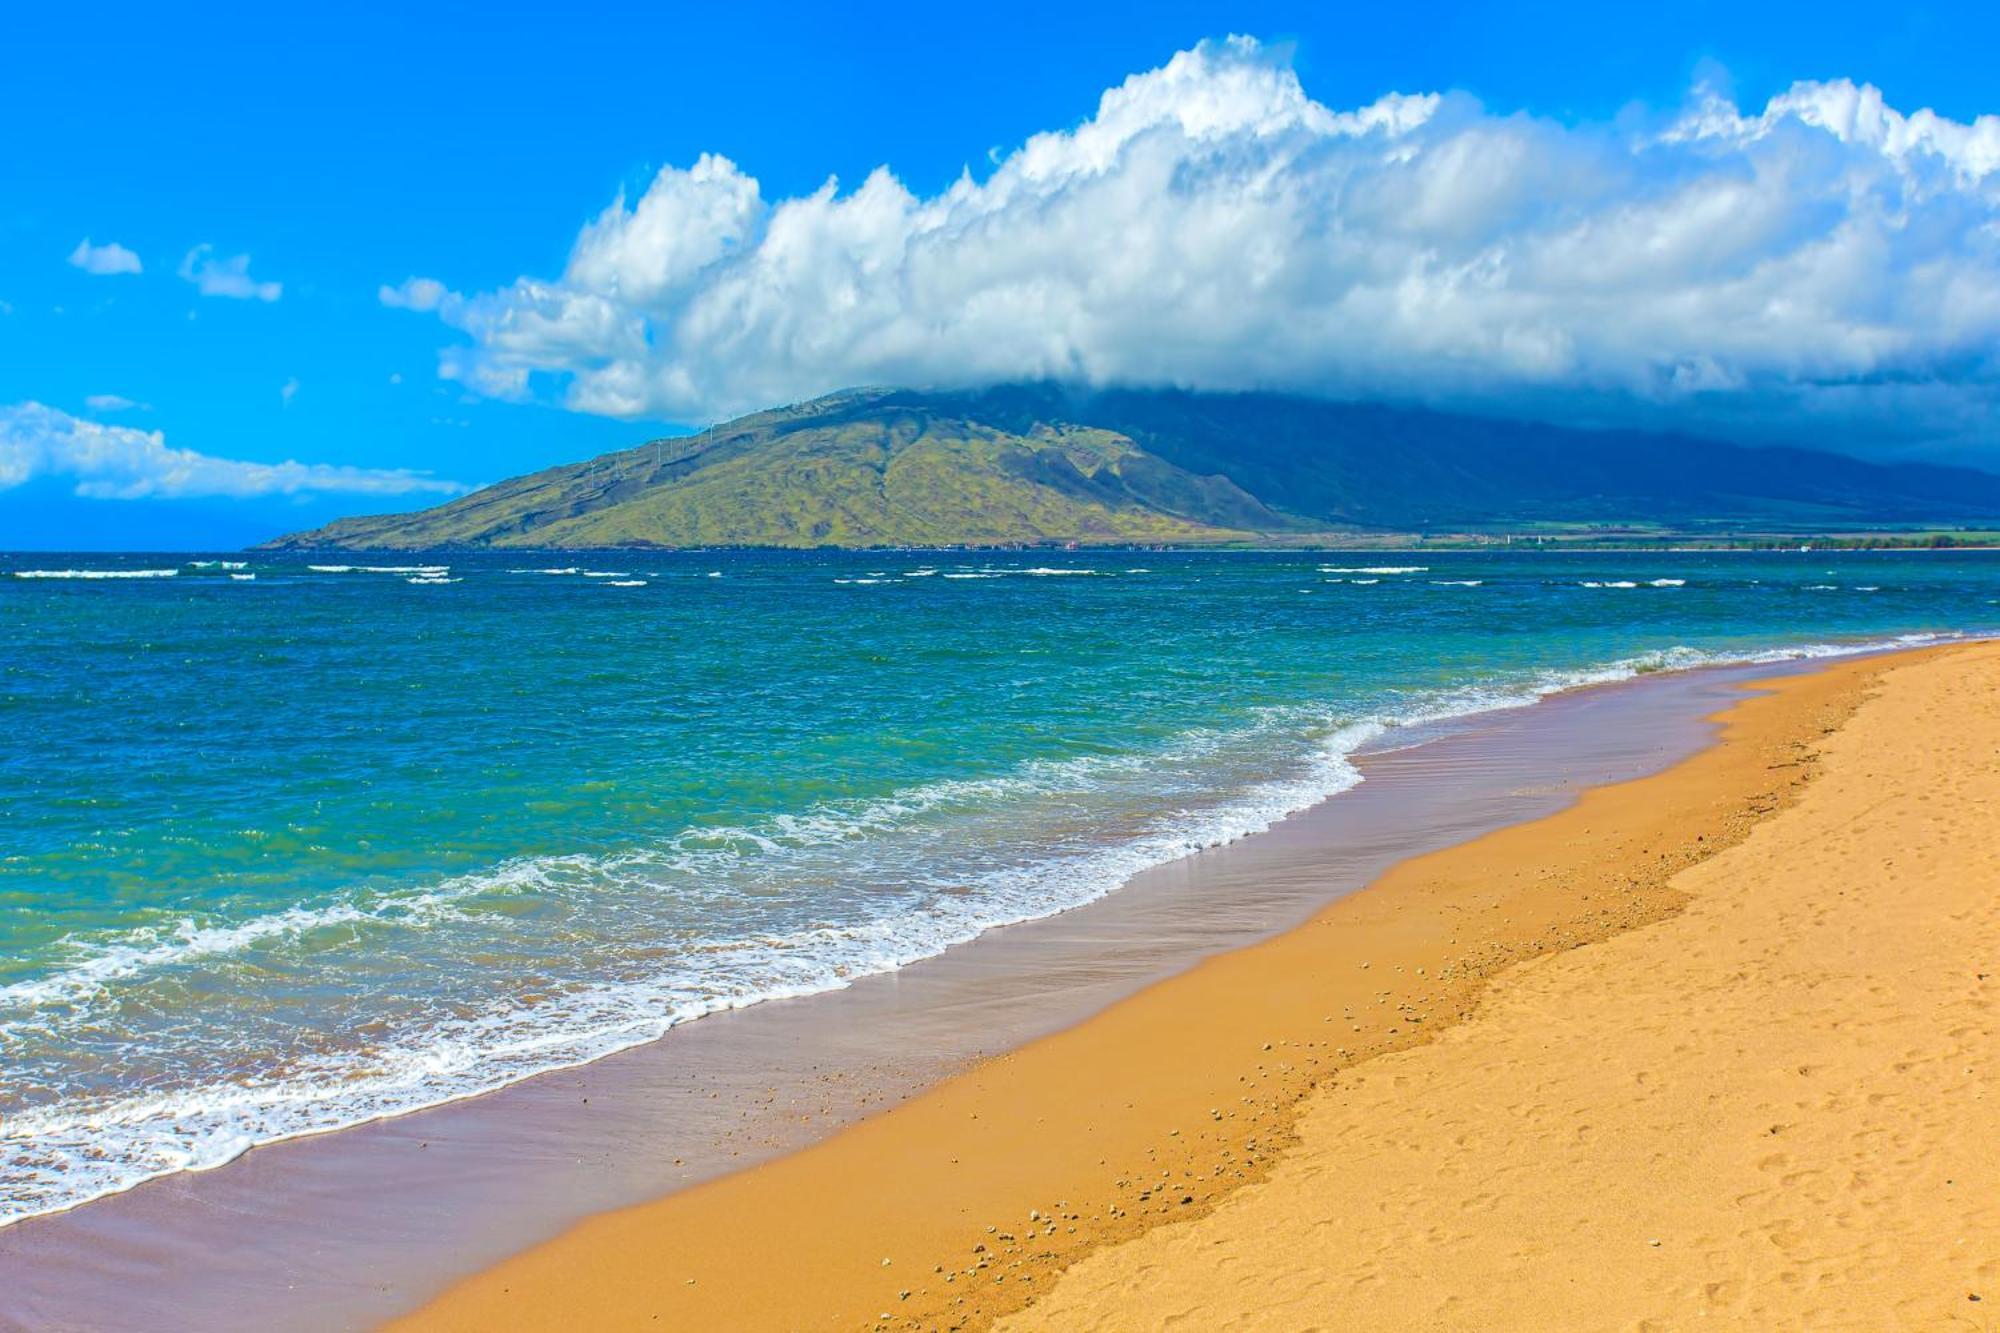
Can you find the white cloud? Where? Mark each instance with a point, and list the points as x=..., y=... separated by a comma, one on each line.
x=120, y=463
x=226, y=277
x=1827, y=260
x=289, y=390
x=104, y=260
x=414, y=294
x=110, y=402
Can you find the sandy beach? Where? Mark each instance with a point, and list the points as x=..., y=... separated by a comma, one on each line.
x=926, y=668
x=1769, y=1111
x=1709, y=1043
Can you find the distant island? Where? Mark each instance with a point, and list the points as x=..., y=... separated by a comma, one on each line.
x=1040, y=464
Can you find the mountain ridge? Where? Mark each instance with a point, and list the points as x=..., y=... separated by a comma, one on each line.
x=1044, y=463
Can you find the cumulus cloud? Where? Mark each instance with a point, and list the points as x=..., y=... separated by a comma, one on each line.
x=120, y=463
x=1827, y=261
x=226, y=277
x=110, y=402
x=104, y=260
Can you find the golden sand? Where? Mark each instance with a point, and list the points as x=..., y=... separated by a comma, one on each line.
x=1428, y=1108
x=1774, y=1110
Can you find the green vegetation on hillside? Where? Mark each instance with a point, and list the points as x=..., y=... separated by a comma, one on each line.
x=1037, y=464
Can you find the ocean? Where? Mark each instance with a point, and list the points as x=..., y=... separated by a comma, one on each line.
x=293, y=842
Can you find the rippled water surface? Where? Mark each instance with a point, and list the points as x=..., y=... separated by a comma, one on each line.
x=291, y=842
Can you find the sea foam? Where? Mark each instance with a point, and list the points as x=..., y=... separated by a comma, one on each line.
x=1374, y=569
x=95, y=573
x=59, y=1155
x=379, y=569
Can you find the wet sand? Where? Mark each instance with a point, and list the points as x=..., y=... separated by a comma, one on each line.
x=1173, y=1160
x=347, y=1229
x=1776, y=1110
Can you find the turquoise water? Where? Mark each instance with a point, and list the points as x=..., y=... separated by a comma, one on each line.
x=293, y=843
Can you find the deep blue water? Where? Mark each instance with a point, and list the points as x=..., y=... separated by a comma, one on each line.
x=284, y=847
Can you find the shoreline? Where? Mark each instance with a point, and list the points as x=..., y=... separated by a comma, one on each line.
x=1772, y=1109
x=1145, y=1137
x=1239, y=819
x=494, y=1157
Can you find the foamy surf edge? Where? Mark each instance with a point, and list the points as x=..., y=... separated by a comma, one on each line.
x=615, y=1016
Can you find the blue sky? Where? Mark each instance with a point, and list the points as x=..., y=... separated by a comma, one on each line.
x=343, y=155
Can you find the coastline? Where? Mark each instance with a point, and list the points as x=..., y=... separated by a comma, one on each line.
x=1772, y=1110
x=1170, y=1100
x=368, y=1221
x=1262, y=777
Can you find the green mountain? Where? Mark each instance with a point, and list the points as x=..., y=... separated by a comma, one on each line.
x=1040, y=463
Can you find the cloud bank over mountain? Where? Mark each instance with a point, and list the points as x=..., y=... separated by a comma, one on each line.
x=1825, y=270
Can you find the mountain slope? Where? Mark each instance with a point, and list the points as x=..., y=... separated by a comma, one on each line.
x=1039, y=463
x=1411, y=469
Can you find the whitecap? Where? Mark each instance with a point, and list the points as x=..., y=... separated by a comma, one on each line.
x=380, y=569
x=95, y=573
x=1374, y=569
